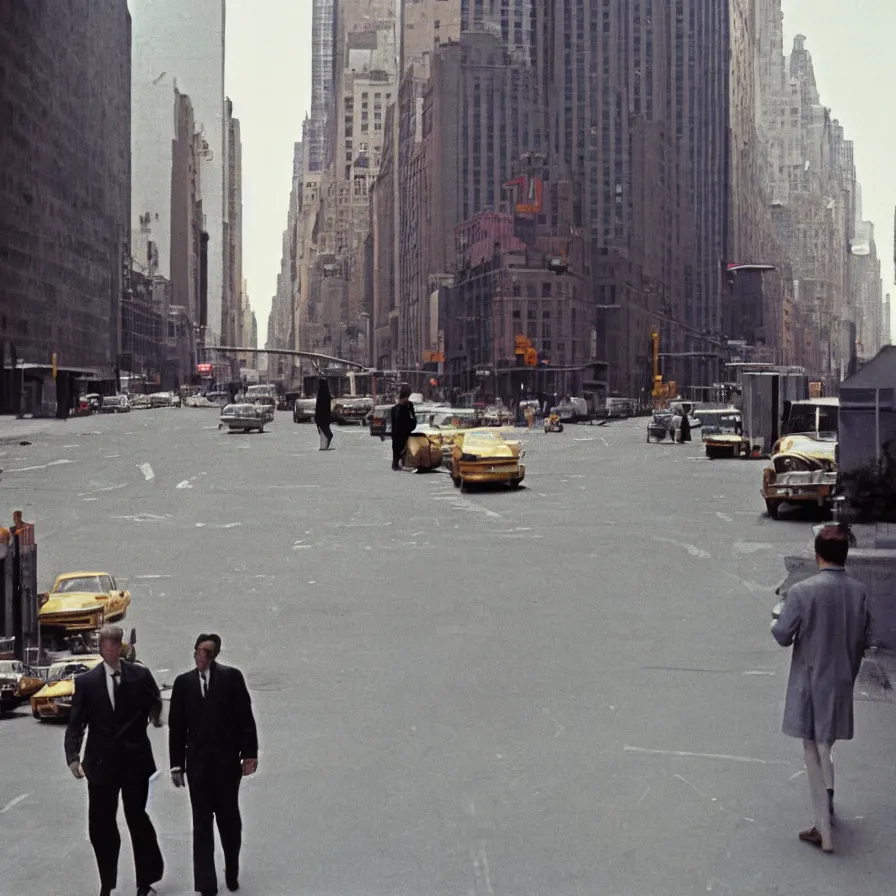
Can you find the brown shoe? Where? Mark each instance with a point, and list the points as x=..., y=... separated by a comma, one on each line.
x=811, y=835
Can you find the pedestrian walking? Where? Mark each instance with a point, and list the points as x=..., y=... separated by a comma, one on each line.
x=685, y=426
x=115, y=702
x=827, y=620
x=323, y=414
x=404, y=422
x=213, y=744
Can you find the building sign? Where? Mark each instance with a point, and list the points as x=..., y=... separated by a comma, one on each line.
x=204, y=369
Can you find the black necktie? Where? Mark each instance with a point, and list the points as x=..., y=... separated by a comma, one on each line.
x=115, y=683
x=204, y=684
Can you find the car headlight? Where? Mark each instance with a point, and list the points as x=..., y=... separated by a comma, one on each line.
x=62, y=701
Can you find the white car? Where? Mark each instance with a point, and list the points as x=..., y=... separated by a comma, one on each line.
x=116, y=404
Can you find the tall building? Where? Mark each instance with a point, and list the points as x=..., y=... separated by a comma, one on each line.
x=232, y=318
x=886, y=333
x=867, y=292
x=64, y=194
x=811, y=185
x=181, y=44
x=336, y=206
x=186, y=212
x=314, y=131
x=509, y=20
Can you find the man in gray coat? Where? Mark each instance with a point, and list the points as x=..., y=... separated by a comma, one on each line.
x=826, y=618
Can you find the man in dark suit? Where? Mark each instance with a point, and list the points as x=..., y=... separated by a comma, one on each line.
x=213, y=739
x=115, y=701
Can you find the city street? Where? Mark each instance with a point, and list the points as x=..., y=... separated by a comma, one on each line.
x=567, y=690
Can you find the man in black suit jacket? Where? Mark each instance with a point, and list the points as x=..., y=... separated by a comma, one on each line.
x=115, y=702
x=212, y=737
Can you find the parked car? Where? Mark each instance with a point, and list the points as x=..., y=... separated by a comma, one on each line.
x=54, y=699
x=484, y=456
x=803, y=471
x=19, y=682
x=722, y=432
x=116, y=404
x=242, y=418
x=303, y=410
x=91, y=403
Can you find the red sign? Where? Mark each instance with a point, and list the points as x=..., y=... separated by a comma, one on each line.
x=204, y=368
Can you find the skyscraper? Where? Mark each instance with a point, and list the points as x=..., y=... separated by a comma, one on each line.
x=511, y=20
x=177, y=44
x=314, y=131
x=64, y=193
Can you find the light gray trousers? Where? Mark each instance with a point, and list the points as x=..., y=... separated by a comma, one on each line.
x=820, y=772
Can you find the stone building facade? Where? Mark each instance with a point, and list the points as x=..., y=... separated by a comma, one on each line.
x=64, y=190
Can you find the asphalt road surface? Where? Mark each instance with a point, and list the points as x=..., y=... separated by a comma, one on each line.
x=569, y=690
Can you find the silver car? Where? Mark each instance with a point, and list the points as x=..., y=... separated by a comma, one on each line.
x=242, y=418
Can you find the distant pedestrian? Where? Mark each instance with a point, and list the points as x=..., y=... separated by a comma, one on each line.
x=404, y=422
x=115, y=701
x=213, y=745
x=323, y=414
x=685, y=426
x=827, y=620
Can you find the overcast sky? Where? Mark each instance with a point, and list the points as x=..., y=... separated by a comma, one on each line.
x=268, y=77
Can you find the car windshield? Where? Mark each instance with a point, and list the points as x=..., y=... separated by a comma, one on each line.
x=482, y=438
x=97, y=584
x=68, y=669
x=721, y=420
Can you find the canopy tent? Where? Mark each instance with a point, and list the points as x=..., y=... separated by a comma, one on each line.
x=868, y=413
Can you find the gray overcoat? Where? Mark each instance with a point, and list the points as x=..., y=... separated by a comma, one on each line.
x=827, y=620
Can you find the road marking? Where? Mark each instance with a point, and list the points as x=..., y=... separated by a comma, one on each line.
x=480, y=870
x=52, y=463
x=690, y=784
x=14, y=802
x=153, y=577
x=692, y=549
x=185, y=484
x=688, y=755
x=147, y=471
x=724, y=517
x=760, y=672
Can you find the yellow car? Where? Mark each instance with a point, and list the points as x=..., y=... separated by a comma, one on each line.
x=803, y=471
x=54, y=699
x=483, y=456
x=75, y=597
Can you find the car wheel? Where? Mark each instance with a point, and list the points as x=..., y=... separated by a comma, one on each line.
x=515, y=483
x=773, y=508
x=35, y=714
x=560, y=427
x=261, y=429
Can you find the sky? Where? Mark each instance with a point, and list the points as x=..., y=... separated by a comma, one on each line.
x=268, y=77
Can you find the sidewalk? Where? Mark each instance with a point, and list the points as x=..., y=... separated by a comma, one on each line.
x=13, y=430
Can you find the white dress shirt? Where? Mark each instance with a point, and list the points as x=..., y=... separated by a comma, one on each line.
x=110, y=684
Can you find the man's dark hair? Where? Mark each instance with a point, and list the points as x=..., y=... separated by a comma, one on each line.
x=405, y=392
x=216, y=639
x=833, y=542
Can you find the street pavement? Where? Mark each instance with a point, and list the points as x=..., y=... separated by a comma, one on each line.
x=567, y=690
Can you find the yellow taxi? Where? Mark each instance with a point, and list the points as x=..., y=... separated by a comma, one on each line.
x=54, y=699
x=73, y=601
x=481, y=456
